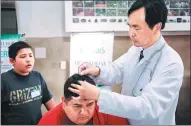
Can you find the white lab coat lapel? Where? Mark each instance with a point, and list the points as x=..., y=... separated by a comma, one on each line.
x=127, y=90
x=137, y=72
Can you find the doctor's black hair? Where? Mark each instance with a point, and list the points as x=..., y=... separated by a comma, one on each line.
x=74, y=80
x=155, y=11
x=14, y=48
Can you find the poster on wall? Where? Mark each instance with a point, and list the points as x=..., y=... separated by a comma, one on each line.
x=6, y=41
x=89, y=15
x=178, y=15
x=94, y=48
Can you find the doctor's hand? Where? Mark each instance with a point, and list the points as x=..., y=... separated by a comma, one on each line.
x=86, y=90
x=88, y=69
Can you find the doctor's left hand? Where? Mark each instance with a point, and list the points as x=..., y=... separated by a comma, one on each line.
x=86, y=90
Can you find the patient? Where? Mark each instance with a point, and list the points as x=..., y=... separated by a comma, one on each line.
x=76, y=110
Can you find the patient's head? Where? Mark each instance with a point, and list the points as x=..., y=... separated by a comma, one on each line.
x=78, y=110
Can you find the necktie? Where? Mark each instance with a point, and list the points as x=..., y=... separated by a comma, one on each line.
x=141, y=55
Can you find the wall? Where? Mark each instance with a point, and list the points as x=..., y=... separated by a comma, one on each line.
x=41, y=18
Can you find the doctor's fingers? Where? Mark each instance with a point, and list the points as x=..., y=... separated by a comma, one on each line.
x=79, y=87
x=84, y=84
x=83, y=67
x=85, y=72
x=74, y=90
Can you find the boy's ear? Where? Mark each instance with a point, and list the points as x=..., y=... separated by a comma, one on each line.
x=12, y=61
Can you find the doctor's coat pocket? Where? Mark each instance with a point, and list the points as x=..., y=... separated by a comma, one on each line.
x=144, y=79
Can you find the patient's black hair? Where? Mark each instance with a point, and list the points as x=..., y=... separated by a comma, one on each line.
x=74, y=80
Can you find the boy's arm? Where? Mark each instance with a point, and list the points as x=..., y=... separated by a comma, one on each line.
x=47, y=97
x=50, y=104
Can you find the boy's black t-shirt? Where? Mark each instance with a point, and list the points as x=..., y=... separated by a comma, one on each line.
x=22, y=97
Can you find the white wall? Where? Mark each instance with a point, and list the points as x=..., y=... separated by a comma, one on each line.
x=47, y=19
x=41, y=18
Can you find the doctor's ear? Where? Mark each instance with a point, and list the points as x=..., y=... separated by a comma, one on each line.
x=158, y=26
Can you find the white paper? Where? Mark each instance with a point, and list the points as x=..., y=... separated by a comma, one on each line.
x=95, y=48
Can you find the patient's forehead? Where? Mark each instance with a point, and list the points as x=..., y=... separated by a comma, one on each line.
x=80, y=100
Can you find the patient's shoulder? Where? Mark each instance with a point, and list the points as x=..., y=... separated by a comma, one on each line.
x=52, y=116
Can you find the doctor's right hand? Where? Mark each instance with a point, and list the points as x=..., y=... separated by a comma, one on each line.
x=88, y=69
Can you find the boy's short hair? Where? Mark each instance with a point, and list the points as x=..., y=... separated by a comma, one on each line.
x=16, y=47
x=74, y=80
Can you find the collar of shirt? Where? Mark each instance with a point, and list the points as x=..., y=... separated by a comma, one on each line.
x=156, y=46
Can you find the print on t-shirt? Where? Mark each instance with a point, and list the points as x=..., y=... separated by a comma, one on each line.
x=25, y=95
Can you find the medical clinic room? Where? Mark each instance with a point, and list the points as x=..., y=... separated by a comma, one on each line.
x=95, y=62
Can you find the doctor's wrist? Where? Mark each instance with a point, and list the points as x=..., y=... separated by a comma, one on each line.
x=97, y=71
x=98, y=93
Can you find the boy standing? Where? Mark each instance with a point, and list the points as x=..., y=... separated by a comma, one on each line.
x=23, y=90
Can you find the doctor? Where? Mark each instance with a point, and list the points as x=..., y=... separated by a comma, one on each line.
x=151, y=72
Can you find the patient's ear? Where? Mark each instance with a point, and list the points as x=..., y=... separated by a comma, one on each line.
x=63, y=101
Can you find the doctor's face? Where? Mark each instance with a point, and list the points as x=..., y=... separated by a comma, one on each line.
x=139, y=31
x=79, y=110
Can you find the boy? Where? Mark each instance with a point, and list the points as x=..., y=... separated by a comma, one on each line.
x=76, y=110
x=23, y=90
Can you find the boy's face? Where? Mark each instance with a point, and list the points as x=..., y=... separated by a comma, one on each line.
x=24, y=61
x=79, y=110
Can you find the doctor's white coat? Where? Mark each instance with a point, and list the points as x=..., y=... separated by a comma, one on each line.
x=150, y=88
